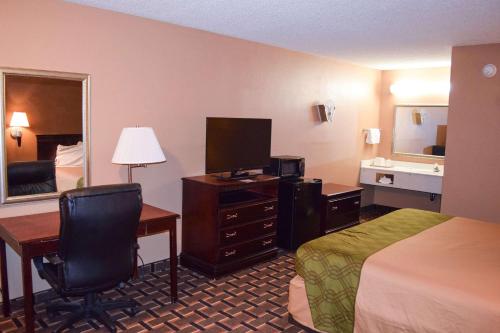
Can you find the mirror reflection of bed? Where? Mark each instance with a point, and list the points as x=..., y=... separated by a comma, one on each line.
x=48, y=156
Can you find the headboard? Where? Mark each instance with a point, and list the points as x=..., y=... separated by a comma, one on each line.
x=46, y=144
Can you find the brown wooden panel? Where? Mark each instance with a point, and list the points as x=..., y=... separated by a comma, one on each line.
x=246, y=213
x=218, y=214
x=337, y=222
x=18, y=230
x=236, y=252
x=199, y=221
x=46, y=144
x=342, y=206
x=247, y=231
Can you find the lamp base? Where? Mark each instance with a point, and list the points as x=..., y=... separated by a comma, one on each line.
x=16, y=133
x=130, y=167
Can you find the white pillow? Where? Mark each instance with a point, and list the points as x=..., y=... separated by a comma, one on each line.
x=69, y=155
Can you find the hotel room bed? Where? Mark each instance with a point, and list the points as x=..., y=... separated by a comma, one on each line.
x=408, y=271
x=68, y=177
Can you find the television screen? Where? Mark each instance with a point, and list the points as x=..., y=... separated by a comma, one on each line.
x=235, y=144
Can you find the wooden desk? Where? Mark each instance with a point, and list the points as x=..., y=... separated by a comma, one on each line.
x=38, y=235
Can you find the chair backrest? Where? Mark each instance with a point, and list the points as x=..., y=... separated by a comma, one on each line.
x=98, y=235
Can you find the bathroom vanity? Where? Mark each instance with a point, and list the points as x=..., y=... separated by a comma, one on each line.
x=423, y=177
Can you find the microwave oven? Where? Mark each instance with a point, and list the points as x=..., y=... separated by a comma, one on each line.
x=286, y=166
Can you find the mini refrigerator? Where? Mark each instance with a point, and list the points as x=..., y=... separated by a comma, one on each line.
x=299, y=211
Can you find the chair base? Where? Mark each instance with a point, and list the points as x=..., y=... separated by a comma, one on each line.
x=92, y=307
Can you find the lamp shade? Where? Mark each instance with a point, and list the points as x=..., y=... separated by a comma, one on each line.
x=138, y=145
x=19, y=119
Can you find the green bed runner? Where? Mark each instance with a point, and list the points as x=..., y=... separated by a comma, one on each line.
x=331, y=265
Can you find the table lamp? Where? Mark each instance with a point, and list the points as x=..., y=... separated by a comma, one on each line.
x=137, y=147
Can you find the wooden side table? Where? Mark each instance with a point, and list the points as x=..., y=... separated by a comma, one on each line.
x=340, y=207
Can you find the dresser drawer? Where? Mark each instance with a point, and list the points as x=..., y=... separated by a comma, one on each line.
x=344, y=205
x=341, y=221
x=248, y=231
x=248, y=213
x=239, y=251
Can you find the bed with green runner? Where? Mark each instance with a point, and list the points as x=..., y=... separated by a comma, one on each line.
x=331, y=266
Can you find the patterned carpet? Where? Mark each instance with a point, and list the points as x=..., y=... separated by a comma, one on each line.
x=251, y=300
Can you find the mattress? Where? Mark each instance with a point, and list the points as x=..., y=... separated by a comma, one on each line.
x=67, y=177
x=298, y=305
x=443, y=279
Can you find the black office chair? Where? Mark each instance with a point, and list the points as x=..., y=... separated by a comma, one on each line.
x=97, y=250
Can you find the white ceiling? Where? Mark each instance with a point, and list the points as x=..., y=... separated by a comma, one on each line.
x=382, y=34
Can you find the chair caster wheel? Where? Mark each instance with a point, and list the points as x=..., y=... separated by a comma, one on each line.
x=51, y=315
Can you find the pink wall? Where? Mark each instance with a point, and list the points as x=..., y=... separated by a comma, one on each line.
x=169, y=77
x=388, y=101
x=472, y=178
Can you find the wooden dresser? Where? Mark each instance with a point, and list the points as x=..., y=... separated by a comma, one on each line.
x=228, y=224
x=340, y=207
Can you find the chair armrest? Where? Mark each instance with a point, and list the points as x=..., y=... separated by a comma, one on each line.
x=54, y=259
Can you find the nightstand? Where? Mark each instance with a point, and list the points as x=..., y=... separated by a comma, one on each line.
x=339, y=207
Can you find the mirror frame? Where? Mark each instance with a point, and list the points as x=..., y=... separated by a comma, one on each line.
x=394, y=152
x=85, y=80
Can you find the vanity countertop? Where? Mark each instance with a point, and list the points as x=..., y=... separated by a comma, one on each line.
x=403, y=175
x=407, y=167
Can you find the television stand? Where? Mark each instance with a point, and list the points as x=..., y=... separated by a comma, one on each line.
x=228, y=225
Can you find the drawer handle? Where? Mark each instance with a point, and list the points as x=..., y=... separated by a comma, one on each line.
x=229, y=253
x=267, y=242
x=48, y=240
x=268, y=225
x=231, y=234
x=268, y=208
x=356, y=202
x=231, y=216
x=334, y=208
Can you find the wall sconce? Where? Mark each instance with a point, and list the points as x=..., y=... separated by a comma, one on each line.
x=418, y=117
x=372, y=135
x=326, y=112
x=17, y=122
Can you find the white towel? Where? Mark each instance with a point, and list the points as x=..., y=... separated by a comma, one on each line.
x=373, y=136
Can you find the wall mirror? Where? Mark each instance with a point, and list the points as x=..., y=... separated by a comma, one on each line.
x=420, y=130
x=45, y=138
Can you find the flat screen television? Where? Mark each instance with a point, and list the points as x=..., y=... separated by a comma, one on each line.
x=237, y=144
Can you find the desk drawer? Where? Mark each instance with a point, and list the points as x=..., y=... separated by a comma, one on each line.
x=236, y=252
x=42, y=247
x=155, y=227
x=344, y=205
x=248, y=213
x=248, y=231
